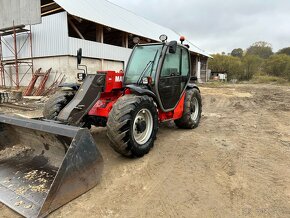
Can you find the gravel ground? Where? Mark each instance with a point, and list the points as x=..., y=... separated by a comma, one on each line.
x=235, y=164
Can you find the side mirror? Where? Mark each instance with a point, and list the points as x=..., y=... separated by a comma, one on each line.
x=172, y=47
x=79, y=56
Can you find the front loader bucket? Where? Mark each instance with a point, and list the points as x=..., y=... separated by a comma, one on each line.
x=44, y=165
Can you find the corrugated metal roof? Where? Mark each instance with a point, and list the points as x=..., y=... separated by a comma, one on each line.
x=109, y=14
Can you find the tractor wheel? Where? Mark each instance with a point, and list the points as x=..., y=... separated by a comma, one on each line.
x=56, y=103
x=191, y=111
x=132, y=125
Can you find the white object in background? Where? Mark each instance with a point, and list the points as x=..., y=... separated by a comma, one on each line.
x=222, y=76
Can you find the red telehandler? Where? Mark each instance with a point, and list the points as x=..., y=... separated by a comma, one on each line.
x=58, y=159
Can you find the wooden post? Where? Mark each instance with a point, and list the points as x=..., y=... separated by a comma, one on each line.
x=206, y=70
x=102, y=64
x=125, y=40
x=100, y=39
x=99, y=33
x=196, y=61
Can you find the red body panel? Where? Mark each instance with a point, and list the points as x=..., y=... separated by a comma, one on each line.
x=172, y=115
x=104, y=105
x=114, y=90
x=114, y=80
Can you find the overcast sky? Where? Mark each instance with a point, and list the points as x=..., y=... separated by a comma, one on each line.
x=220, y=25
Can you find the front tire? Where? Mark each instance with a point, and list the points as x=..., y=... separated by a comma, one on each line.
x=132, y=125
x=56, y=103
x=191, y=111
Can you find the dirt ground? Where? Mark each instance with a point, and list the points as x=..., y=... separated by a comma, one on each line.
x=235, y=164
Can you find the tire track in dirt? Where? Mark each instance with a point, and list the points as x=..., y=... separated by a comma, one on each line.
x=258, y=163
x=235, y=164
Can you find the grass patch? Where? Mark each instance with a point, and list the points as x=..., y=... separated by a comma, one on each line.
x=213, y=84
x=269, y=79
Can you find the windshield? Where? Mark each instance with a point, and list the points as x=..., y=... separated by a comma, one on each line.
x=144, y=60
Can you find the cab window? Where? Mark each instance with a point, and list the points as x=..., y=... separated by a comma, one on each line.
x=176, y=64
x=184, y=62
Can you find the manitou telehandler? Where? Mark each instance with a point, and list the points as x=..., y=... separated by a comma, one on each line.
x=46, y=162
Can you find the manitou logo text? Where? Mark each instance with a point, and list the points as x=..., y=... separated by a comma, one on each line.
x=119, y=79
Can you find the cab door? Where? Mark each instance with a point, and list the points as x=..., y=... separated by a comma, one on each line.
x=173, y=77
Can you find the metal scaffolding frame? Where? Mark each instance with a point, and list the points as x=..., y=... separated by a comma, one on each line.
x=15, y=62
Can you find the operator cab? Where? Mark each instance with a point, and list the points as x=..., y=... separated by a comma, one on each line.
x=163, y=68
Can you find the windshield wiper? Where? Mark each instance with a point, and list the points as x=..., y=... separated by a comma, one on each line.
x=143, y=72
x=154, y=61
x=146, y=67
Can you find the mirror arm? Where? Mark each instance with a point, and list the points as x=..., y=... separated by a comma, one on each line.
x=84, y=70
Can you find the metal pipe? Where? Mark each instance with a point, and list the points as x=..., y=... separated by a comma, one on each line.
x=31, y=51
x=16, y=58
x=1, y=64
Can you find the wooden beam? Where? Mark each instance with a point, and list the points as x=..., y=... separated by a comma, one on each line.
x=51, y=11
x=52, y=3
x=76, y=29
x=77, y=18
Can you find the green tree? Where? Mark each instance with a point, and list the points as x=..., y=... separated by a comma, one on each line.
x=278, y=65
x=261, y=49
x=223, y=63
x=251, y=65
x=237, y=52
x=284, y=51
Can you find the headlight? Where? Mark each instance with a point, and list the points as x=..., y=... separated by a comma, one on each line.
x=81, y=76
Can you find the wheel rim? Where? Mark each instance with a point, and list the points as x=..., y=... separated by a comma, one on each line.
x=143, y=126
x=194, y=109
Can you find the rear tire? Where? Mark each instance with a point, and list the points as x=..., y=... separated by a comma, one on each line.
x=56, y=103
x=191, y=111
x=132, y=125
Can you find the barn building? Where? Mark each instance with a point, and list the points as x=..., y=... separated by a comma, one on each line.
x=102, y=29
